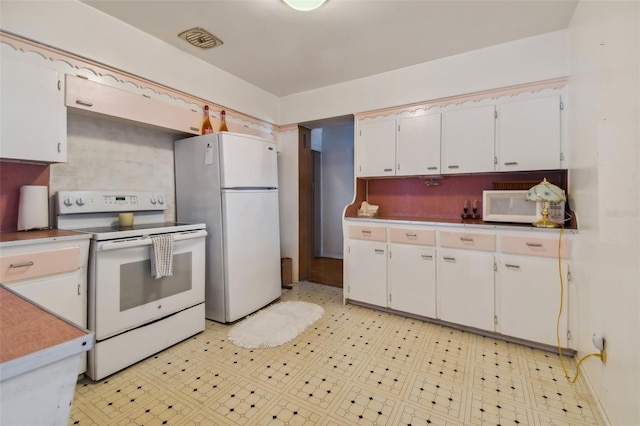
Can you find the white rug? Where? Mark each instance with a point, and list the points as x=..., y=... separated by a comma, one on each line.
x=275, y=325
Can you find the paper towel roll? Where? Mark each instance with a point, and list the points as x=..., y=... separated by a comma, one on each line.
x=33, y=210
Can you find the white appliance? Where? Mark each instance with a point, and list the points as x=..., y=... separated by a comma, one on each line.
x=133, y=314
x=230, y=182
x=512, y=206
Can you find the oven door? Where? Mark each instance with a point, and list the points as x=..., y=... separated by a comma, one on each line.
x=124, y=295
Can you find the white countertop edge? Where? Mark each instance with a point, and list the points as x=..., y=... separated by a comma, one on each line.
x=39, y=359
x=25, y=242
x=496, y=226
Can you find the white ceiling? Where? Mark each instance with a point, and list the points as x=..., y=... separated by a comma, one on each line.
x=284, y=51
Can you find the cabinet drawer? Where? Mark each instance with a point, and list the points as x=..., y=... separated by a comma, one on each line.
x=425, y=237
x=39, y=264
x=368, y=233
x=532, y=246
x=468, y=240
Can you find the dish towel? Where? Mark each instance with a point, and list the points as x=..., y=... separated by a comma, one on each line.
x=162, y=255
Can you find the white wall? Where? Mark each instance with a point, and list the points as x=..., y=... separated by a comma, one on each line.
x=337, y=185
x=288, y=196
x=604, y=185
x=79, y=29
x=523, y=61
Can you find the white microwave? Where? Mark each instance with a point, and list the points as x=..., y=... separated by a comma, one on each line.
x=512, y=206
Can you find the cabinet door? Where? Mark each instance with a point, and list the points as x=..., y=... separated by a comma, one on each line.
x=468, y=137
x=529, y=299
x=100, y=98
x=33, y=115
x=418, y=145
x=62, y=294
x=375, y=149
x=366, y=274
x=465, y=288
x=528, y=134
x=412, y=279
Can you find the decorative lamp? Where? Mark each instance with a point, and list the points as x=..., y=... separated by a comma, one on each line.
x=547, y=193
x=304, y=5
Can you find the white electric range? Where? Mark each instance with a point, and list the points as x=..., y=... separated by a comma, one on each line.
x=132, y=313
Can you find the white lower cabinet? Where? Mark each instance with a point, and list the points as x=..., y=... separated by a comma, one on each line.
x=466, y=288
x=499, y=281
x=529, y=295
x=52, y=274
x=412, y=279
x=366, y=273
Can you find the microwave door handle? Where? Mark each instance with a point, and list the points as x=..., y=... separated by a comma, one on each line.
x=146, y=240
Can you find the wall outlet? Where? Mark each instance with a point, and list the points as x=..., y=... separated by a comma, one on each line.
x=599, y=343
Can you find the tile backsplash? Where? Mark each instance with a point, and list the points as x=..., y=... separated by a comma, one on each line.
x=112, y=154
x=13, y=176
x=417, y=197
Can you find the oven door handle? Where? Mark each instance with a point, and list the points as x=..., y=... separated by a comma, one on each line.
x=146, y=240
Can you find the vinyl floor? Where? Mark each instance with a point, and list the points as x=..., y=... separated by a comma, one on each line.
x=354, y=366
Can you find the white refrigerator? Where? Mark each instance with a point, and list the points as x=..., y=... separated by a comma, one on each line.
x=230, y=182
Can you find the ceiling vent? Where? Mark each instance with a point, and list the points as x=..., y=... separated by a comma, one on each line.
x=200, y=38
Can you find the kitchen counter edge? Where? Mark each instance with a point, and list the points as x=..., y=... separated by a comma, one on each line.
x=457, y=223
x=15, y=238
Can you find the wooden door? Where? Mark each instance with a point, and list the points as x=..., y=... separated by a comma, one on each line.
x=305, y=203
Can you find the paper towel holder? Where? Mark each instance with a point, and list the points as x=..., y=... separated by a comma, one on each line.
x=33, y=208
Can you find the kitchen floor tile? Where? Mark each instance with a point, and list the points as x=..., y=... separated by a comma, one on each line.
x=354, y=366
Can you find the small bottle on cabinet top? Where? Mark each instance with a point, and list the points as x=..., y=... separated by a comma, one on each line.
x=223, y=121
x=206, y=123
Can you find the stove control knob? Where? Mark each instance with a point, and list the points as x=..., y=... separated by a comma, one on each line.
x=68, y=201
x=80, y=201
x=153, y=199
x=161, y=199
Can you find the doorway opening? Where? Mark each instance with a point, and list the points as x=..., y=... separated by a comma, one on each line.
x=326, y=186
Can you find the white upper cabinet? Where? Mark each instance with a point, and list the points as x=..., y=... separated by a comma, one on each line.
x=468, y=137
x=418, y=145
x=528, y=134
x=406, y=146
x=376, y=148
x=32, y=111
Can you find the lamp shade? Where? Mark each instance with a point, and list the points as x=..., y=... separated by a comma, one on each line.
x=546, y=191
x=304, y=5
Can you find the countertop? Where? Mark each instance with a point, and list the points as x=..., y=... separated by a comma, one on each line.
x=33, y=337
x=31, y=237
x=465, y=223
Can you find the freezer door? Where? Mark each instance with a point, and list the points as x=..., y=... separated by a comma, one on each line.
x=251, y=240
x=247, y=161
